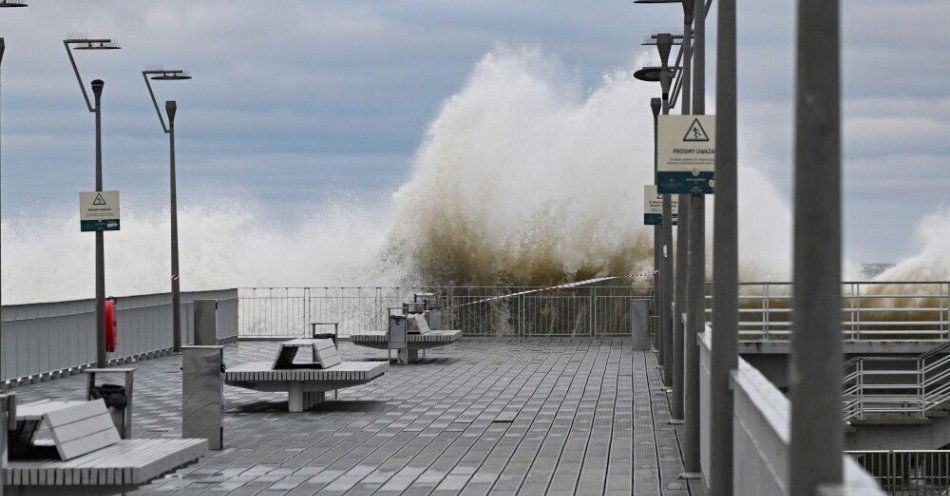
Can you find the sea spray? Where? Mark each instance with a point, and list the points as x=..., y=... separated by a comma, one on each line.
x=523, y=178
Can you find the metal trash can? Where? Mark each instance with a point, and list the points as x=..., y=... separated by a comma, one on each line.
x=202, y=394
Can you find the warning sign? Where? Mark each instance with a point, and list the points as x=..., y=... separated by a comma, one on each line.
x=686, y=154
x=99, y=211
x=653, y=206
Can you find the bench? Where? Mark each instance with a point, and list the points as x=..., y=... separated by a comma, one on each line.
x=305, y=382
x=85, y=454
x=408, y=335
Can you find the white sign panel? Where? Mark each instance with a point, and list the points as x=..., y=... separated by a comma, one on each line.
x=99, y=211
x=686, y=154
x=653, y=206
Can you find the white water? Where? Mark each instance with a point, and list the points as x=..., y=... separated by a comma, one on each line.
x=523, y=177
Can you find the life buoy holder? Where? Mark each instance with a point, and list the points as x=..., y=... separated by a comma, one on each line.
x=111, y=326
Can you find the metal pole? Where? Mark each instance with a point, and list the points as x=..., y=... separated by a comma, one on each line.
x=657, y=234
x=679, y=297
x=725, y=328
x=817, y=436
x=97, y=86
x=664, y=42
x=170, y=108
x=696, y=277
x=666, y=272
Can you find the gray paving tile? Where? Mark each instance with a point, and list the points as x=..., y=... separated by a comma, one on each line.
x=483, y=416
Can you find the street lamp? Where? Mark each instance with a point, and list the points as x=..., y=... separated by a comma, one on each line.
x=170, y=108
x=97, y=85
x=685, y=401
x=9, y=4
x=664, y=43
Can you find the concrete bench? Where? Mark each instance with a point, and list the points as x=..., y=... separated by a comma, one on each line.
x=305, y=382
x=85, y=454
x=414, y=336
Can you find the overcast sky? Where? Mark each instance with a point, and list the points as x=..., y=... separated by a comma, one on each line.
x=291, y=101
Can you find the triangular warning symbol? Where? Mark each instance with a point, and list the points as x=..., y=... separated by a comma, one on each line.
x=99, y=200
x=696, y=132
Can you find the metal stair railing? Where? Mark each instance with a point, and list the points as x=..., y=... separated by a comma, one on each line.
x=909, y=387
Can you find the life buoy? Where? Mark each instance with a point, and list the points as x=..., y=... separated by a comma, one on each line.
x=111, y=326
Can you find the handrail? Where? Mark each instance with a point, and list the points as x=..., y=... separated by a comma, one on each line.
x=930, y=389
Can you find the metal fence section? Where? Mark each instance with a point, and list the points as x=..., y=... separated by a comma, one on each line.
x=911, y=472
x=39, y=341
x=878, y=310
x=477, y=311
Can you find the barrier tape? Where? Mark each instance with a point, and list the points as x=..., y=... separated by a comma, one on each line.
x=634, y=275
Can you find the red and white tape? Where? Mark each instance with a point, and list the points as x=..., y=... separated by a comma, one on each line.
x=635, y=275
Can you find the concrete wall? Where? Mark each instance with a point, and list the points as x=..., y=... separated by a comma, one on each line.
x=42, y=340
x=761, y=436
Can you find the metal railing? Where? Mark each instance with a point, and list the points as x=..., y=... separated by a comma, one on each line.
x=40, y=341
x=897, y=386
x=910, y=472
x=477, y=311
x=877, y=310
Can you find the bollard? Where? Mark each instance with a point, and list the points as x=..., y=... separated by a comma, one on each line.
x=202, y=394
x=206, y=327
x=640, y=324
x=398, y=337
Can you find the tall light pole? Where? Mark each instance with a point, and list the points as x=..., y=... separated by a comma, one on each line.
x=725, y=318
x=97, y=85
x=658, y=105
x=8, y=4
x=696, y=270
x=664, y=44
x=655, y=105
x=170, y=108
x=678, y=280
x=677, y=402
x=817, y=436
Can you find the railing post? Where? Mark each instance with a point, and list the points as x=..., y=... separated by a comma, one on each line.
x=768, y=308
x=590, y=312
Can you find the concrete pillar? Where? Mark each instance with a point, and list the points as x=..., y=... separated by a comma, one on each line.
x=640, y=324
x=817, y=436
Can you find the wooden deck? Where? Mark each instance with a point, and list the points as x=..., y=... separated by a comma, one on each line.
x=482, y=416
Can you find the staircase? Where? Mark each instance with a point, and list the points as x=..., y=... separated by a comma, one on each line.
x=898, y=388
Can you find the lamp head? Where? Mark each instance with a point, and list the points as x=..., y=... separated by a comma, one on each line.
x=173, y=75
x=97, y=85
x=12, y=3
x=650, y=74
x=655, y=106
x=170, y=108
x=93, y=44
x=664, y=43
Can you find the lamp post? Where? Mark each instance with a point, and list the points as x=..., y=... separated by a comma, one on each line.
x=724, y=357
x=661, y=245
x=7, y=4
x=170, y=108
x=97, y=85
x=664, y=43
x=655, y=105
x=696, y=268
x=817, y=436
